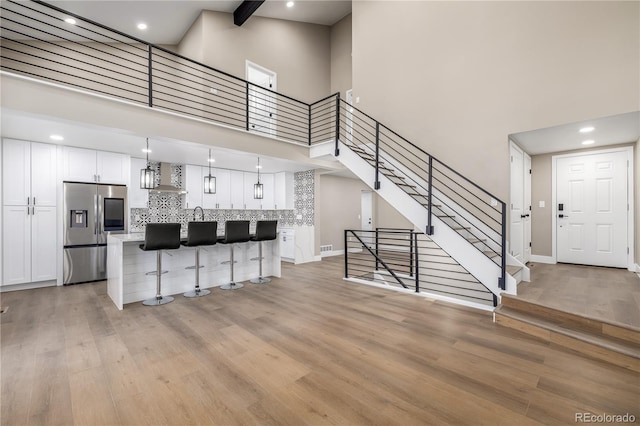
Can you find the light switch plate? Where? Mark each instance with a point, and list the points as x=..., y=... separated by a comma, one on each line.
x=541, y=204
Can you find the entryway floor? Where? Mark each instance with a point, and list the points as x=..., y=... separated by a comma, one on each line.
x=608, y=294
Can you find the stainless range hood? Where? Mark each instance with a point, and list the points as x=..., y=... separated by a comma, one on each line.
x=165, y=181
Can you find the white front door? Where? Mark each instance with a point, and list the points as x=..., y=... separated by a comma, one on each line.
x=591, y=196
x=516, y=240
x=262, y=103
x=366, y=216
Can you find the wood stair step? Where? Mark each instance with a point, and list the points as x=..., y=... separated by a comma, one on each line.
x=460, y=228
x=549, y=328
x=476, y=240
x=512, y=269
x=491, y=254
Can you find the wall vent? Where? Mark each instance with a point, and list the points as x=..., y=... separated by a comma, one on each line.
x=324, y=249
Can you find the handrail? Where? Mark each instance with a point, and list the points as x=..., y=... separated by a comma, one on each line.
x=374, y=255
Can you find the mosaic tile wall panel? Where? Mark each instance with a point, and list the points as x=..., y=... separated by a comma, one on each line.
x=167, y=208
x=303, y=197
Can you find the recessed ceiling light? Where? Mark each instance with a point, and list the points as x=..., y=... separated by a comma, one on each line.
x=56, y=137
x=258, y=166
x=142, y=26
x=147, y=150
x=290, y=4
x=70, y=21
x=587, y=129
x=589, y=142
x=211, y=160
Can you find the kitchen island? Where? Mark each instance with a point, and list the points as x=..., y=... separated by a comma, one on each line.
x=127, y=266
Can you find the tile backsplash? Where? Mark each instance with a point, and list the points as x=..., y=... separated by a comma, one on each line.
x=167, y=207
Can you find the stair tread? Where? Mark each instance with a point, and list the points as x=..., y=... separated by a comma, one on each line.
x=512, y=269
x=476, y=240
x=491, y=254
x=604, y=341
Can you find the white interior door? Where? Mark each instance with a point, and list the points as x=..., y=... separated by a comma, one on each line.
x=517, y=213
x=366, y=216
x=262, y=103
x=591, y=195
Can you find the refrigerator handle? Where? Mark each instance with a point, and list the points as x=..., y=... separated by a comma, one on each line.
x=28, y=200
x=34, y=201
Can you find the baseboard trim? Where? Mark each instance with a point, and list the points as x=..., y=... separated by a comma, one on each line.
x=28, y=286
x=542, y=259
x=332, y=253
x=638, y=269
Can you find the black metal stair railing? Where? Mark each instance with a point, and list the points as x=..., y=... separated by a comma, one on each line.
x=405, y=258
x=37, y=42
x=471, y=211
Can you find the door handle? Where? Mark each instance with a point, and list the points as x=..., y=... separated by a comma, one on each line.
x=524, y=215
x=562, y=215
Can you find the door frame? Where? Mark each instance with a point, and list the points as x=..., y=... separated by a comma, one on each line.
x=526, y=199
x=274, y=88
x=630, y=199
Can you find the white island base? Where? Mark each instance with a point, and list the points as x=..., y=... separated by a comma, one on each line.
x=127, y=266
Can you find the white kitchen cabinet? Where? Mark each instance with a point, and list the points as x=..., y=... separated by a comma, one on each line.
x=283, y=197
x=112, y=167
x=29, y=173
x=87, y=165
x=250, y=203
x=236, y=189
x=29, y=244
x=136, y=196
x=287, y=244
x=29, y=226
x=43, y=243
x=223, y=188
x=268, y=180
x=193, y=185
x=16, y=245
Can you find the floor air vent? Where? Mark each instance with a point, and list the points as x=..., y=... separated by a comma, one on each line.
x=326, y=249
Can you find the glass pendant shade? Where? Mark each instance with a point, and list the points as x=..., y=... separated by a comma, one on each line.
x=147, y=178
x=258, y=190
x=209, y=184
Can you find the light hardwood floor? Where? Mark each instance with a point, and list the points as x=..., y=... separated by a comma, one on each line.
x=608, y=294
x=309, y=348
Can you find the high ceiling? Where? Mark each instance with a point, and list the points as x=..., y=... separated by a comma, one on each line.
x=167, y=21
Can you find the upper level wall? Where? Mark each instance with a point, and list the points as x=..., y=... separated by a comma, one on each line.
x=299, y=53
x=457, y=78
x=341, y=69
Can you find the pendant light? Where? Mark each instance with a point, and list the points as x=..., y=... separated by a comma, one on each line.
x=210, y=181
x=147, y=176
x=258, y=187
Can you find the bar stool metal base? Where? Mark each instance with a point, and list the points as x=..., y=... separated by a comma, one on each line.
x=231, y=286
x=157, y=301
x=260, y=280
x=197, y=293
x=155, y=272
x=193, y=267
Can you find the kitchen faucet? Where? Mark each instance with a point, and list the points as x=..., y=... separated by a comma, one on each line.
x=201, y=213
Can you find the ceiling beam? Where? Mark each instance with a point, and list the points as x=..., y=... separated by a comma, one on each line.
x=245, y=10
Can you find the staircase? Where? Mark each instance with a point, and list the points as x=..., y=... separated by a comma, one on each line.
x=462, y=219
x=613, y=343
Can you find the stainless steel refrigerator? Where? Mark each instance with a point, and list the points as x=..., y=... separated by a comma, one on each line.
x=91, y=212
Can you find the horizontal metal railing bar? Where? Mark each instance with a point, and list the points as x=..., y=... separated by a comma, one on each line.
x=466, y=210
x=259, y=90
x=241, y=90
x=61, y=55
x=48, y=25
x=469, y=181
x=239, y=107
x=405, y=230
x=204, y=116
x=19, y=71
x=70, y=75
x=321, y=112
x=457, y=287
x=59, y=19
x=324, y=130
x=389, y=141
x=484, y=202
x=171, y=99
x=459, y=295
x=72, y=42
x=416, y=172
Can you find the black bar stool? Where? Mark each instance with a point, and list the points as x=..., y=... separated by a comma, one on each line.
x=265, y=231
x=158, y=237
x=235, y=231
x=200, y=234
